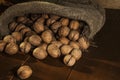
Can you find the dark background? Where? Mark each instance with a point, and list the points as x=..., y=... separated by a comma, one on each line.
x=99, y=63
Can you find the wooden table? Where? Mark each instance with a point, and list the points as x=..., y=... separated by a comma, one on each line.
x=99, y=63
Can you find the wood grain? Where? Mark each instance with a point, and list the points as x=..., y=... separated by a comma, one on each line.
x=103, y=62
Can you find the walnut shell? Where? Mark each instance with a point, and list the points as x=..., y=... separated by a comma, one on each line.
x=18, y=36
x=69, y=60
x=55, y=17
x=73, y=35
x=64, y=21
x=74, y=44
x=19, y=27
x=25, y=47
x=55, y=26
x=40, y=53
x=64, y=40
x=77, y=53
x=74, y=24
x=50, y=21
x=30, y=33
x=9, y=38
x=25, y=30
x=22, y=19
x=43, y=46
x=53, y=51
x=38, y=27
x=35, y=40
x=84, y=43
x=66, y=49
x=24, y=72
x=63, y=31
x=12, y=26
x=11, y=48
x=47, y=36
x=40, y=20
x=57, y=43
x=2, y=45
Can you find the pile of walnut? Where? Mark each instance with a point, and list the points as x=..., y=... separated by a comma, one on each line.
x=43, y=35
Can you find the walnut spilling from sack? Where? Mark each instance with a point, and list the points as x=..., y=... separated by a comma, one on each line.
x=47, y=35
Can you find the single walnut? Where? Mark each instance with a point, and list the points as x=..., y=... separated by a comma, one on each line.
x=40, y=20
x=30, y=33
x=25, y=30
x=25, y=47
x=43, y=46
x=57, y=43
x=73, y=35
x=40, y=53
x=66, y=49
x=9, y=38
x=24, y=72
x=74, y=44
x=64, y=40
x=11, y=48
x=50, y=21
x=22, y=19
x=55, y=17
x=35, y=40
x=63, y=31
x=74, y=25
x=47, y=36
x=12, y=26
x=69, y=60
x=18, y=36
x=53, y=51
x=84, y=43
x=64, y=21
x=19, y=27
x=76, y=53
x=55, y=26
x=38, y=27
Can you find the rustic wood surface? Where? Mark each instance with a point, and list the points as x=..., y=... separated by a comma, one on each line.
x=99, y=63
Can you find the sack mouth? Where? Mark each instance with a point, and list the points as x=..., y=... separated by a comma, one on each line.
x=88, y=14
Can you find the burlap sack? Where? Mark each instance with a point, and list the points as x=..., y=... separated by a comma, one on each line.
x=86, y=10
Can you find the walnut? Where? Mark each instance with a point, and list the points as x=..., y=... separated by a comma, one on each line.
x=69, y=60
x=73, y=35
x=47, y=36
x=63, y=31
x=11, y=48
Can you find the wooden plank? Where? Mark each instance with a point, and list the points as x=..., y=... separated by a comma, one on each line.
x=95, y=70
x=8, y=65
x=103, y=62
x=49, y=69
